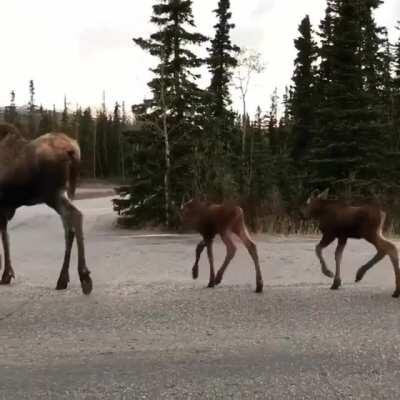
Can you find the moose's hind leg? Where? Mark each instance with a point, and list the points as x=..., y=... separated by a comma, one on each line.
x=367, y=266
x=210, y=255
x=230, y=253
x=72, y=219
x=63, y=279
x=242, y=232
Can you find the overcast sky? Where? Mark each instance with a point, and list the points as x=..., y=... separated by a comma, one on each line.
x=80, y=47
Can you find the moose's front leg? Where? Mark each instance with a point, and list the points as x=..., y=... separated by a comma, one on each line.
x=199, y=249
x=337, y=282
x=8, y=273
x=325, y=241
x=211, y=282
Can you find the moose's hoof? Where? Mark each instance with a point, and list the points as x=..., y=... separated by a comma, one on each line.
x=218, y=280
x=336, y=284
x=360, y=274
x=86, y=284
x=195, y=273
x=211, y=284
x=62, y=284
x=396, y=293
x=328, y=273
x=6, y=279
x=259, y=288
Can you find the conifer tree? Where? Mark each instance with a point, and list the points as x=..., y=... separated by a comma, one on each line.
x=349, y=152
x=173, y=114
x=221, y=61
x=304, y=90
x=65, y=122
x=102, y=155
x=45, y=123
x=31, y=110
x=273, y=132
x=11, y=114
x=114, y=143
x=54, y=118
x=86, y=135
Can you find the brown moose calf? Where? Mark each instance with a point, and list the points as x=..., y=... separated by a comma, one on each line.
x=223, y=219
x=340, y=221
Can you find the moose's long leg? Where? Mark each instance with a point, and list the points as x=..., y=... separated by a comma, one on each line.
x=72, y=219
x=241, y=230
x=199, y=249
x=209, y=244
x=63, y=279
x=367, y=266
x=337, y=282
x=230, y=253
x=325, y=241
x=394, y=258
x=8, y=273
x=383, y=247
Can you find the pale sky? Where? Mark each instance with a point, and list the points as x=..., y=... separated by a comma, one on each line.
x=82, y=47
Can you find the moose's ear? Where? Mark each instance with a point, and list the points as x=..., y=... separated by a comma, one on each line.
x=313, y=195
x=324, y=195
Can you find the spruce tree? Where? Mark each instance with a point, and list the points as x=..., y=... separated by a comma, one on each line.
x=46, y=122
x=171, y=45
x=102, y=156
x=394, y=104
x=350, y=146
x=327, y=32
x=221, y=61
x=86, y=136
x=115, y=142
x=10, y=113
x=304, y=90
x=65, y=122
x=31, y=110
x=54, y=118
x=173, y=114
x=273, y=132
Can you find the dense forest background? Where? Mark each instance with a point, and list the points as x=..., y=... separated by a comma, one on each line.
x=338, y=128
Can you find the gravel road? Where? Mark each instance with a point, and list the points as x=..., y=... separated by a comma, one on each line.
x=149, y=332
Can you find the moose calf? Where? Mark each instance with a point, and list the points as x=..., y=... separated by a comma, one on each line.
x=223, y=219
x=340, y=221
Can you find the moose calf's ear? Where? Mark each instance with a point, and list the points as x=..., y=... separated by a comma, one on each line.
x=324, y=195
x=313, y=195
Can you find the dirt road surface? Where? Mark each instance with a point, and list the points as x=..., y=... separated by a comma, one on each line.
x=149, y=332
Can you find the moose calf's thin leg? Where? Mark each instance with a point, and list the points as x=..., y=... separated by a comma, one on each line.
x=199, y=249
x=211, y=261
x=73, y=219
x=363, y=269
x=230, y=253
x=243, y=234
x=63, y=280
x=395, y=263
x=391, y=250
x=325, y=241
x=8, y=273
x=337, y=282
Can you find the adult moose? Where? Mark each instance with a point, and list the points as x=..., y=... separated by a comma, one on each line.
x=340, y=221
x=41, y=171
x=224, y=219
